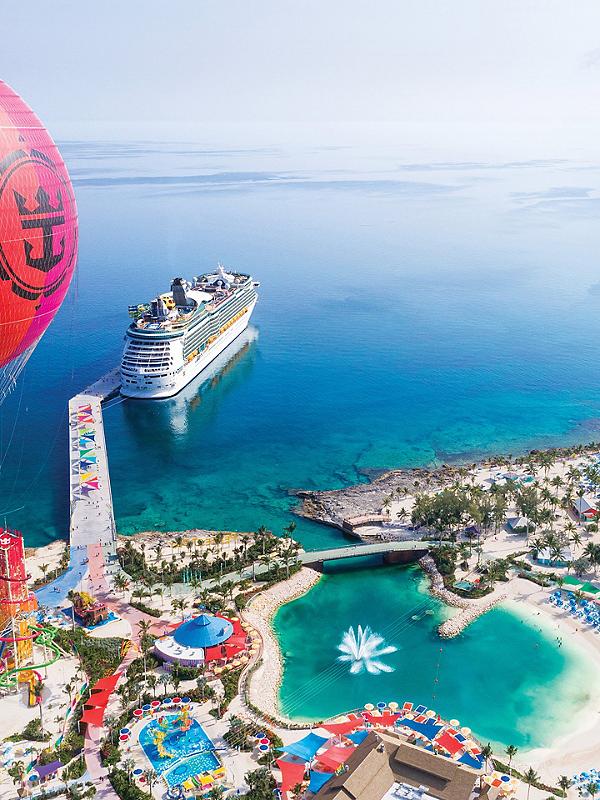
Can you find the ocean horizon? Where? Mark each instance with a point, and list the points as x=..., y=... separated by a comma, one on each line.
x=412, y=312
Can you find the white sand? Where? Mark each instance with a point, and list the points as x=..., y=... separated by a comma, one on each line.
x=580, y=749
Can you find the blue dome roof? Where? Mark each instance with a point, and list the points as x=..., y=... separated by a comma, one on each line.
x=203, y=631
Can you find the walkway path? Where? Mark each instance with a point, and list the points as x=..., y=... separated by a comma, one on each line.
x=337, y=553
x=91, y=509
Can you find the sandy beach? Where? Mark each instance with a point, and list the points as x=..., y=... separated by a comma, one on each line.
x=263, y=687
x=580, y=749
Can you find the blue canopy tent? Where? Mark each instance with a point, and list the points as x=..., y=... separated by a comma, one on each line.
x=318, y=780
x=471, y=761
x=305, y=748
x=428, y=729
x=357, y=737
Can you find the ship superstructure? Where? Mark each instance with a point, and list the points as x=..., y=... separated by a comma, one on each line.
x=175, y=336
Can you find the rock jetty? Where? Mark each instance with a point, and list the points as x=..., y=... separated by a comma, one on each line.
x=470, y=610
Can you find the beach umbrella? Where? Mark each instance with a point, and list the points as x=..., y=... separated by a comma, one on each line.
x=393, y=705
x=369, y=706
x=430, y=713
x=454, y=723
x=465, y=731
x=381, y=705
x=259, y=735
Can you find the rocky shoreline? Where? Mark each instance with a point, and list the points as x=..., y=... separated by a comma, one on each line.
x=470, y=610
x=263, y=685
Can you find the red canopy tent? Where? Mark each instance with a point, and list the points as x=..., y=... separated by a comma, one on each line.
x=107, y=683
x=292, y=773
x=449, y=743
x=334, y=756
x=99, y=699
x=341, y=728
x=387, y=719
x=93, y=716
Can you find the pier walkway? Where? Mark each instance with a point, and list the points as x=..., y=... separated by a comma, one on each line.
x=92, y=521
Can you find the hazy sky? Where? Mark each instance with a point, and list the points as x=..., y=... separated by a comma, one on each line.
x=466, y=66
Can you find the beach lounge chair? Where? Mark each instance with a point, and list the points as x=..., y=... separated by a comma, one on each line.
x=407, y=707
x=420, y=709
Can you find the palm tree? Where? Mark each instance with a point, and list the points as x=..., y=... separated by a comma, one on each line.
x=591, y=788
x=151, y=777
x=152, y=682
x=511, y=752
x=564, y=783
x=486, y=752
x=261, y=536
x=164, y=680
x=128, y=766
x=44, y=569
x=530, y=777
x=121, y=583
x=144, y=629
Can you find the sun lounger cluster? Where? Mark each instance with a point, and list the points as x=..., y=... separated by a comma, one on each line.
x=584, y=610
x=88, y=462
x=204, y=781
x=317, y=758
x=581, y=779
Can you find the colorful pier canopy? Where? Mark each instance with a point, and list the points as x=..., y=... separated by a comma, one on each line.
x=305, y=748
x=292, y=773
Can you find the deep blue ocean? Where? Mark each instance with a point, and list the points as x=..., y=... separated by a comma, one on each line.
x=411, y=312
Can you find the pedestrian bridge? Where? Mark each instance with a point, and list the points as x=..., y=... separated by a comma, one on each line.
x=390, y=552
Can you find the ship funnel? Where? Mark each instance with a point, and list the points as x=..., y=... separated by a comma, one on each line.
x=178, y=287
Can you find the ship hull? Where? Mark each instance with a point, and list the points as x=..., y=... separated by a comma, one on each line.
x=191, y=370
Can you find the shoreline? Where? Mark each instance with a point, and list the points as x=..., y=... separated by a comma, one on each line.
x=577, y=750
x=264, y=682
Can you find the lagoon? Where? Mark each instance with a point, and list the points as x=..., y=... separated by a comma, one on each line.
x=503, y=677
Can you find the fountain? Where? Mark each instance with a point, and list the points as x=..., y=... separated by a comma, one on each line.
x=363, y=649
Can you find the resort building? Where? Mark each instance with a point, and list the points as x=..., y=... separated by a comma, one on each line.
x=585, y=508
x=385, y=767
x=203, y=639
x=548, y=558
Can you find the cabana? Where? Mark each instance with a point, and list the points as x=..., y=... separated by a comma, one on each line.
x=585, y=508
x=519, y=525
x=305, y=748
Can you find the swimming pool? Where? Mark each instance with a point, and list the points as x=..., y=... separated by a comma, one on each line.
x=189, y=752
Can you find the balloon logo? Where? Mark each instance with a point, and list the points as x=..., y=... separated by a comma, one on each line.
x=38, y=233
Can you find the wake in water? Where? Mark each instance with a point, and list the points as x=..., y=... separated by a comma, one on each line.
x=363, y=649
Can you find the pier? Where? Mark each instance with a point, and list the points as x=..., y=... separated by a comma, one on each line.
x=92, y=522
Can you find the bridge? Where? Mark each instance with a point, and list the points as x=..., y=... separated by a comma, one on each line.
x=391, y=552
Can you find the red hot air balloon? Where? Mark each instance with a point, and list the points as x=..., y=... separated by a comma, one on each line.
x=38, y=233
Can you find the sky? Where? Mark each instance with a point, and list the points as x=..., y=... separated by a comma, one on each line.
x=467, y=70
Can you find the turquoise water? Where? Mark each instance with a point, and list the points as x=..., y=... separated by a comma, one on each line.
x=194, y=746
x=413, y=310
x=504, y=678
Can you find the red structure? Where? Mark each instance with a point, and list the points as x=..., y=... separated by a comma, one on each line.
x=15, y=596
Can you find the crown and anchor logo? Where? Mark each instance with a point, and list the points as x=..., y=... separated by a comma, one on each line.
x=5, y=541
x=39, y=243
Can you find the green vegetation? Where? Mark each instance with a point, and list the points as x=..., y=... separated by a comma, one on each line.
x=152, y=612
x=124, y=787
x=75, y=769
x=98, y=657
x=32, y=732
x=261, y=784
x=536, y=782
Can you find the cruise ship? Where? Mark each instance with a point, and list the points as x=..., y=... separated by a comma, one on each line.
x=177, y=335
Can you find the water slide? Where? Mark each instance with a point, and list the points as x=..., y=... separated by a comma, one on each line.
x=42, y=635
